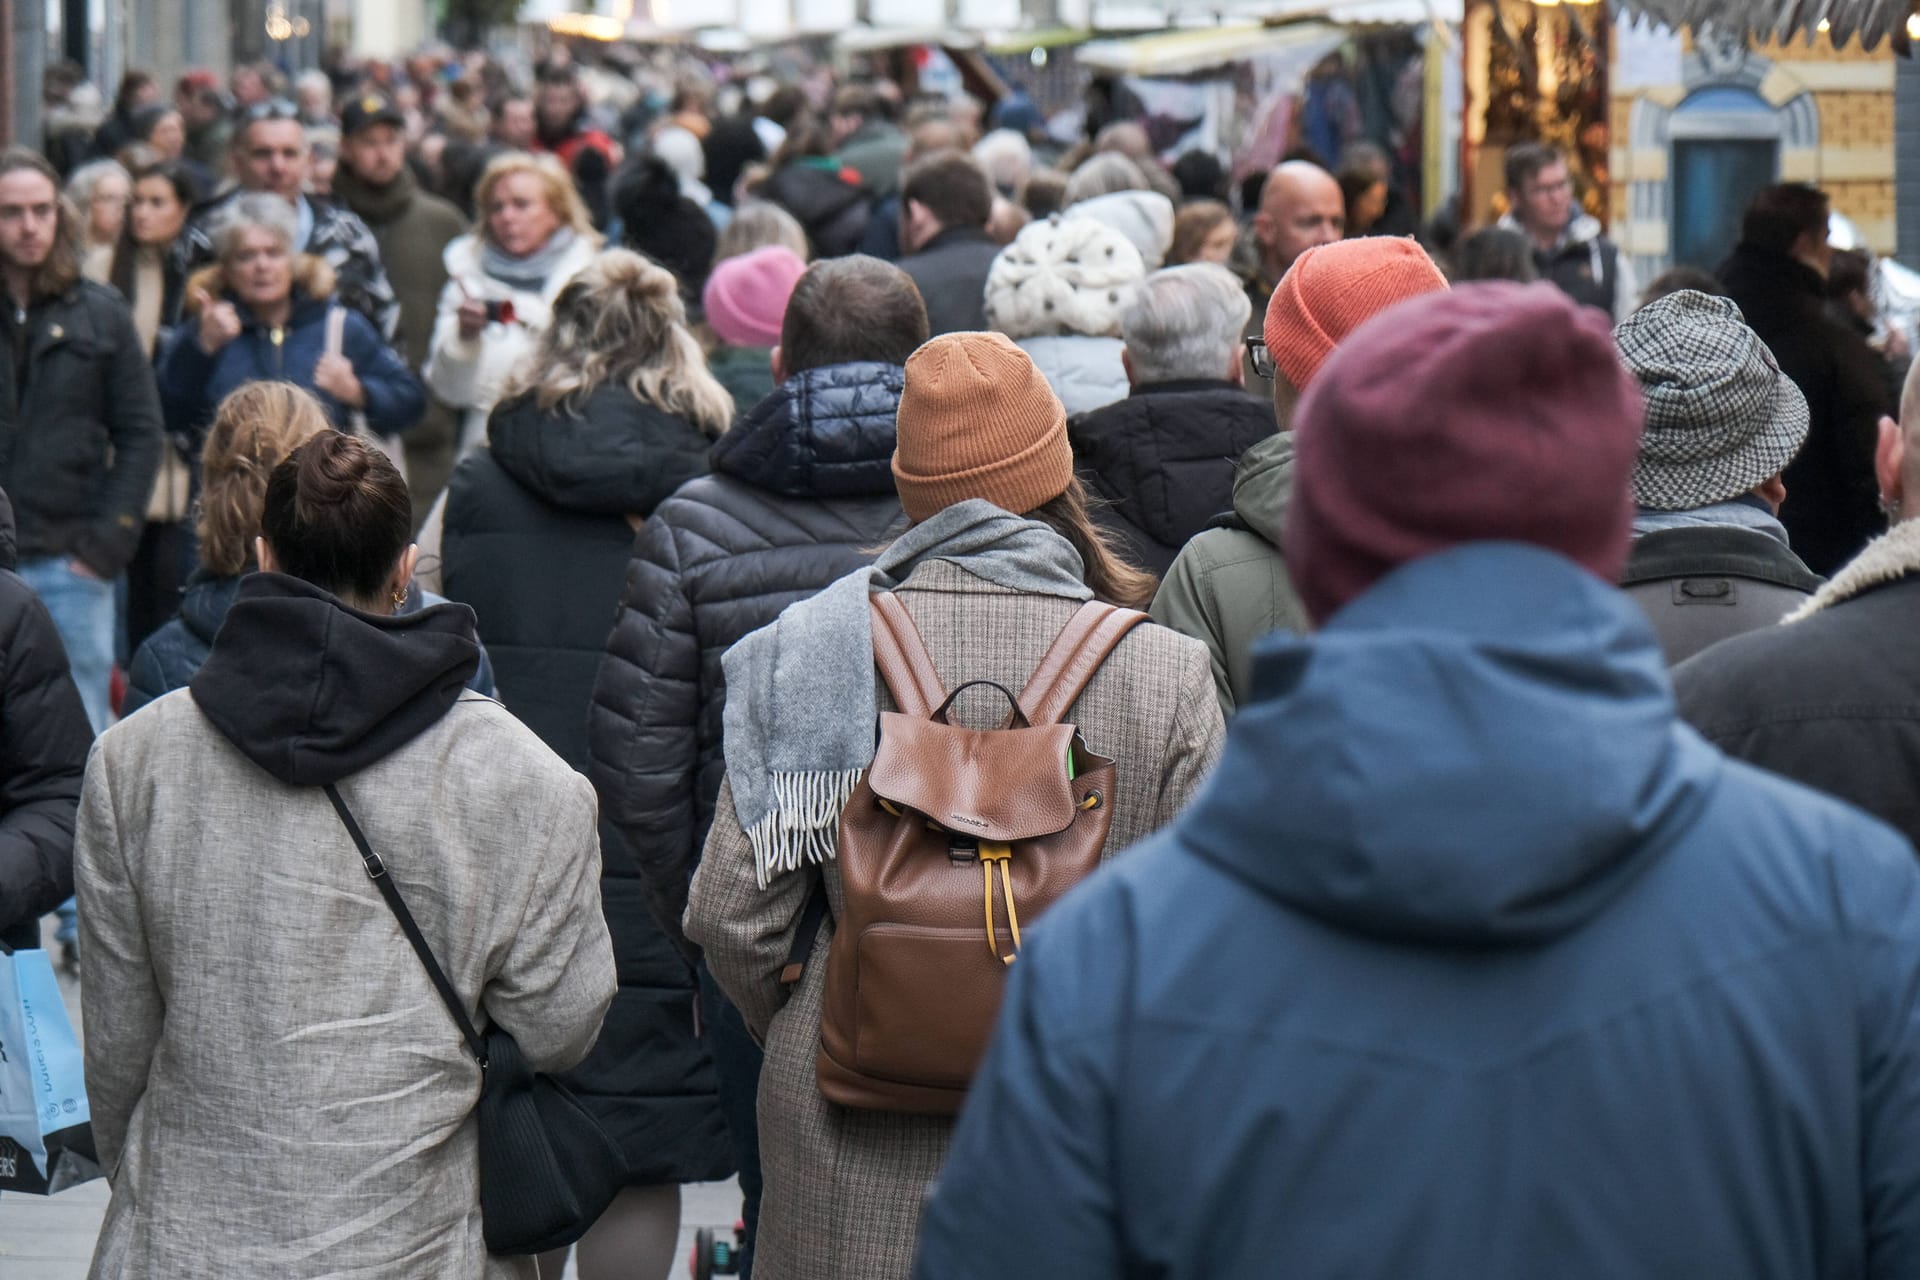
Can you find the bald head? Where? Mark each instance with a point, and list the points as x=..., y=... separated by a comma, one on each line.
x=1300, y=207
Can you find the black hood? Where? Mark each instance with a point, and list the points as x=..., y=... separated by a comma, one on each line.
x=313, y=691
x=825, y=433
x=617, y=456
x=9, y=549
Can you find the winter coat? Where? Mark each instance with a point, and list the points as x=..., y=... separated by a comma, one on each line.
x=1471, y=960
x=44, y=736
x=1085, y=372
x=536, y=539
x=876, y=151
x=801, y=494
x=746, y=373
x=844, y=1188
x=1160, y=463
x=827, y=201
x=80, y=441
x=193, y=383
x=950, y=271
x=338, y=238
x=1229, y=585
x=251, y=998
x=413, y=230
x=168, y=659
x=1585, y=265
x=1698, y=586
x=1832, y=508
x=470, y=373
x=1829, y=698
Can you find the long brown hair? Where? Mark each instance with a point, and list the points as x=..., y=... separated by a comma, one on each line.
x=255, y=428
x=1110, y=575
x=61, y=270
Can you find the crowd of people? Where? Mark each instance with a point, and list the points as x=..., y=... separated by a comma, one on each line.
x=1503, y=734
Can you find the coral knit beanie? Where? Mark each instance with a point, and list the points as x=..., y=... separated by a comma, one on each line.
x=746, y=296
x=1333, y=289
x=1491, y=413
x=977, y=420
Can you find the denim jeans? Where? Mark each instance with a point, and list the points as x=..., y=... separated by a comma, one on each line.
x=736, y=1062
x=83, y=614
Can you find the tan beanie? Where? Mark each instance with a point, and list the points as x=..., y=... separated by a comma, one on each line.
x=977, y=420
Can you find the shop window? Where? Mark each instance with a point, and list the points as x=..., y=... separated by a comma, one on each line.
x=1726, y=148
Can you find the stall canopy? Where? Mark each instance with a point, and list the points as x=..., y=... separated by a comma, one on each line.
x=1178, y=53
x=1871, y=20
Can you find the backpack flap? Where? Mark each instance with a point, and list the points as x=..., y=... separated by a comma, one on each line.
x=1002, y=785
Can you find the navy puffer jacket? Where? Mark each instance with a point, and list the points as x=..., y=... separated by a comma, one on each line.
x=801, y=494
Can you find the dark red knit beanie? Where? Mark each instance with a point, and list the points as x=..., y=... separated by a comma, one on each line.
x=1490, y=413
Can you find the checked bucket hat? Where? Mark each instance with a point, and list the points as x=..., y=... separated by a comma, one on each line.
x=1721, y=417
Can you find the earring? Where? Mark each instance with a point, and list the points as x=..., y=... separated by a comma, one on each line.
x=399, y=598
x=1890, y=508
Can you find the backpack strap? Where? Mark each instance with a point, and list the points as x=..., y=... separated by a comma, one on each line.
x=1076, y=653
x=902, y=657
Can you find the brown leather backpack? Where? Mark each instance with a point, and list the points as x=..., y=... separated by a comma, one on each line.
x=954, y=840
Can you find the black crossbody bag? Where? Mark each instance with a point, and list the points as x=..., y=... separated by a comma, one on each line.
x=547, y=1168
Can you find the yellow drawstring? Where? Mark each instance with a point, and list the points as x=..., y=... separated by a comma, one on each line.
x=991, y=853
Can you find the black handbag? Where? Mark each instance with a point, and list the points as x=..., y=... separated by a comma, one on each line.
x=547, y=1168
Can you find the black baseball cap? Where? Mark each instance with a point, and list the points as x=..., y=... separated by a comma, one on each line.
x=364, y=110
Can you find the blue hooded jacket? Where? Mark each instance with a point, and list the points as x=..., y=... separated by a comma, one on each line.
x=1469, y=961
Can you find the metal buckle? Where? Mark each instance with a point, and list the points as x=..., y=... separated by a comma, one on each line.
x=375, y=867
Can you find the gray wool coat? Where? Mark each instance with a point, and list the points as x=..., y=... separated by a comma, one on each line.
x=276, y=1088
x=843, y=1188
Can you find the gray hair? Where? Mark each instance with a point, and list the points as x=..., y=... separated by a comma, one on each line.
x=80, y=186
x=254, y=211
x=1102, y=175
x=1185, y=323
x=1006, y=156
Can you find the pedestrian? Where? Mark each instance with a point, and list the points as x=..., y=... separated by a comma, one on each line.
x=684, y=154
x=138, y=89
x=1159, y=464
x=101, y=190
x=801, y=493
x=315, y=1065
x=614, y=412
x=148, y=277
x=866, y=138
x=1145, y=218
x=823, y=193
x=945, y=201
x=255, y=427
x=534, y=235
x=44, y=738
x=264, y=310
x=209, y=128
x=1495, y=253
x=1204, y=231
x=1568, y=245
x=657, y=220
x=1466, y=808
x=1710, y=558
x=271, y=156
x=564, y=129
x=758, y=223
x=1007, y=159
x=413, y=230
x=1300, y=207
x=1230, y=585
x=1057, y=291
x=745, y=303
x=1826, y=699
x=1777, y=275
x=1000, y=556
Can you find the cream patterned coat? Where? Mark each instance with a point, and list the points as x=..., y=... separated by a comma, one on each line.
x=276, y=1089
x=844, y=1189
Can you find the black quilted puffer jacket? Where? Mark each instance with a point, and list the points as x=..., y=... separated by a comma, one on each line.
x=801, y=494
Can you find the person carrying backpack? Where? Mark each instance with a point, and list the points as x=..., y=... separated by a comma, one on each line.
x=998, y=565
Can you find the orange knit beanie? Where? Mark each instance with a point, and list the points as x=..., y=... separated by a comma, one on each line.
x=1333, y=289
x=977, y=420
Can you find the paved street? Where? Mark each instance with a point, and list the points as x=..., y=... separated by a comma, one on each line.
x=52, y=1238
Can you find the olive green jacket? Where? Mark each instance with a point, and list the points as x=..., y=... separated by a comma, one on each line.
x=1229, y=585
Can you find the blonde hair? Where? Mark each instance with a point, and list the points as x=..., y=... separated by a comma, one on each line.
x=622, y=319
x=555, y=183
x=757, y=224
x=255, y=428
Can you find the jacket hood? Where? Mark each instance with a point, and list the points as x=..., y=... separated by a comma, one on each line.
x=313, y=691
x=825, y=433
x=1583, y=230
x=9, y=548
x=1263, y=486
x=618, y=455
x=1482, y=750
x=1147, y=455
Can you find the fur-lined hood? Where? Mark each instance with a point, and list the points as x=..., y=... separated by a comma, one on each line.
x=1888, y=558
x=312, y=278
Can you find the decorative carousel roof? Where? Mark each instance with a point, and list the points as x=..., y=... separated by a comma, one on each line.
x=1871, y=20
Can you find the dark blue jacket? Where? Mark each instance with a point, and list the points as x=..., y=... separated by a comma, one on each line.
x=168, y=659
x=192, y=383
x=1469, y=961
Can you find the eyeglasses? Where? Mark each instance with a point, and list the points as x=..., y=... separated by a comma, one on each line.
x=1261, y=358
x=271, y=109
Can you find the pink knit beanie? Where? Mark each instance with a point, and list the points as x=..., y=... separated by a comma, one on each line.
x=746, y=296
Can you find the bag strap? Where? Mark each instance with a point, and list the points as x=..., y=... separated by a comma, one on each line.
x=1070, y=661
x=902, y=657
x=336, y=330
x=811, y=916
x=377, y=872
